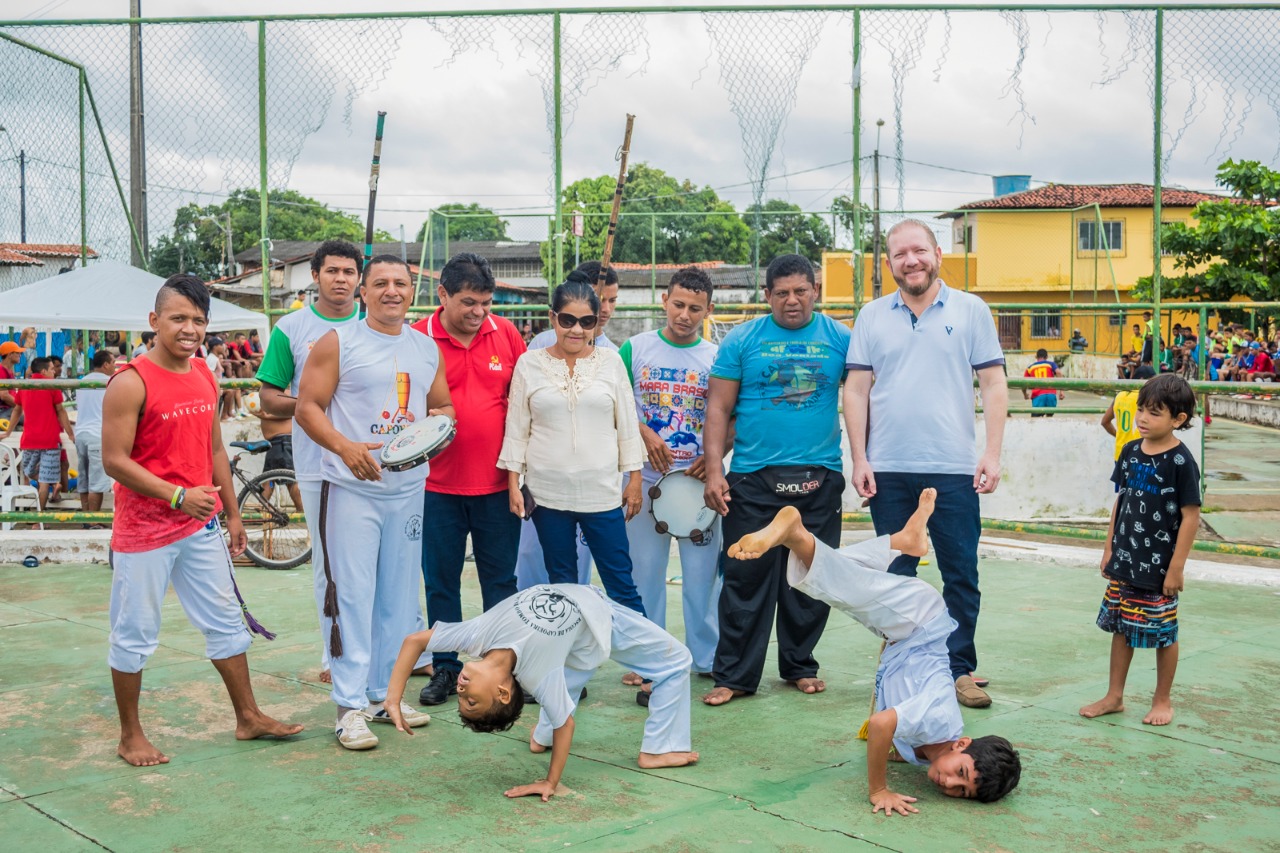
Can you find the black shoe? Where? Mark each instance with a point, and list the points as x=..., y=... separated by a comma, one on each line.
x=582, y=695
x=642, y=698
x=441, y=686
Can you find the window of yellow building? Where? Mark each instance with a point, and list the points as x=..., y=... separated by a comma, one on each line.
x=1090, y=238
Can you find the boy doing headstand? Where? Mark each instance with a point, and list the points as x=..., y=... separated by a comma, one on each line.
x=1153, y=525
x=549, y=639
x=916, y=711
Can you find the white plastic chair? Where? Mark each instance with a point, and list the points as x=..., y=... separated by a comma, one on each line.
x=12, y=489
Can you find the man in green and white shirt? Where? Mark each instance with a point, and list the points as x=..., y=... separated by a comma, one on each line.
x=669, y=370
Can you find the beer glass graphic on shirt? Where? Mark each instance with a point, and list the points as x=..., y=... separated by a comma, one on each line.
x=402, y=414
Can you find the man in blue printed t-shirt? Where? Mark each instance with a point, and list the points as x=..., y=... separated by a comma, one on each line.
x=778, y=378
x=923, y=344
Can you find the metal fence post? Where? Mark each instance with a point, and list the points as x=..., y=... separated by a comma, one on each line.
x=263, y=242
x=1157, y=189
x=558, y=150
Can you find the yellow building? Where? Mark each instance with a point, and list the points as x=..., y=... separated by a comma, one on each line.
x=1058, y=243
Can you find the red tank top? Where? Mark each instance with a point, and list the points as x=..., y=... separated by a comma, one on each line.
x=174, y=442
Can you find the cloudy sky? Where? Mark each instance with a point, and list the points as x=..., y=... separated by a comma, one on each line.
x=717, y=99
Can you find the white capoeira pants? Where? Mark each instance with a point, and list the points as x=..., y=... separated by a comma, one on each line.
x=200, y=569
x=700, y=581
x=374, y=555
x=856, y=581
x=310, y=491
x=652, y=653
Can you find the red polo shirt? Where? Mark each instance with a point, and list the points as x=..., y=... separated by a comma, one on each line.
x=479, y=378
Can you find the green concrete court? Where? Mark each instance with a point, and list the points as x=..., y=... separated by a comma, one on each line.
x=779, y=771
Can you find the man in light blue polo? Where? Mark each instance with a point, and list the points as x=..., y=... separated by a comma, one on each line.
x=922, y=345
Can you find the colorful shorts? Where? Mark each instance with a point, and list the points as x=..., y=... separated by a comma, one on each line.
x=1146, y=619
x=42, y=466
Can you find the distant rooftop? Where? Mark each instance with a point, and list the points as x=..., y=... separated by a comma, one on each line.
x=1058, y=196
x=30, y=253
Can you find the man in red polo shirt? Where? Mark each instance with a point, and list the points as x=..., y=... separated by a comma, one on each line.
x=466, y=491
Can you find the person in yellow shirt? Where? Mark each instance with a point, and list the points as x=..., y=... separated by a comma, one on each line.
x=1135, y=342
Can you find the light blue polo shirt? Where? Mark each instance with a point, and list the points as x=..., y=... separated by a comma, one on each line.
x=788, y=393
x=922, y=401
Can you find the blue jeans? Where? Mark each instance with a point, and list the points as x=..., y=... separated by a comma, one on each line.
x=495, y=537
x=954, y=529
x=606, y=535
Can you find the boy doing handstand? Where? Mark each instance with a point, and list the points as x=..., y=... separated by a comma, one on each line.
x=1153, y=525
x=916, y=712
x=549, y=639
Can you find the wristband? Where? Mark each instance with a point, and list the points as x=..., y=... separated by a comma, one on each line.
x=178, y=494
x=182, y=497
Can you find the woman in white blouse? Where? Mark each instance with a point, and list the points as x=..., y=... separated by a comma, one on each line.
x=571, y=428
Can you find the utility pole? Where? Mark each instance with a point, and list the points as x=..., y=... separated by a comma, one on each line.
x=876, y=278
x=22, y=193
x=231, y=253
x=137, y=139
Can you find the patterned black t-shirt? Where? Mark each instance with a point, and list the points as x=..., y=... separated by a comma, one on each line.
x=1153, y=490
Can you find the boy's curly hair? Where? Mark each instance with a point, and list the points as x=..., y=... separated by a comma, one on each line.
x=499, y=717
x=997, y=764
x=1170, y=392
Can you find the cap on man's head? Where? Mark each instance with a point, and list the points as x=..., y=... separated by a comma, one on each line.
x=1255, y=345
x=9, y=348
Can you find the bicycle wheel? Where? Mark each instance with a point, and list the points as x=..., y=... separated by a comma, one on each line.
x=274, y=542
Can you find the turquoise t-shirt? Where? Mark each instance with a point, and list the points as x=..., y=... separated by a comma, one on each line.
x=788, y=393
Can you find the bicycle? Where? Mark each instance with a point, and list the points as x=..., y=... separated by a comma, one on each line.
x=266, y=502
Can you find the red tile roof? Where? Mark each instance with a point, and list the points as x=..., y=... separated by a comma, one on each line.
x=1059, y=196
x=48, y=250
x=9, y=256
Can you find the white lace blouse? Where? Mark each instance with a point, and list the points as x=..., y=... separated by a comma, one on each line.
x=571, y=436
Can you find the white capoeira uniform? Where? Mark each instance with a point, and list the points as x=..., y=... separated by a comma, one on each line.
x=560, y=634
x=914, y=677
x=291, y=341
x=199, y=567
x=670, y=386
x=372, y=531
x=531, y=568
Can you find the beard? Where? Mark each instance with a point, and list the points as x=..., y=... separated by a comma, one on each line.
x=918, y=289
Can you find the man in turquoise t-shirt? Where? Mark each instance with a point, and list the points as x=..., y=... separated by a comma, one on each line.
x=779, y=377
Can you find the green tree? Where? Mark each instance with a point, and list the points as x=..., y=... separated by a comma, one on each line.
x=663, y=218
x=784, y=229
x=1233, y=249
x=198, y=242
x=465, y=222
x=842, y=206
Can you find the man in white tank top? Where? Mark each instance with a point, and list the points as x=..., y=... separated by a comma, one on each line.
x=363, y=384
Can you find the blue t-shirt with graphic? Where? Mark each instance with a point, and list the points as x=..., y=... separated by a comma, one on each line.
x=789, y=392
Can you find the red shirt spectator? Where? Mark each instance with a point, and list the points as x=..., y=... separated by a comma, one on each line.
x=41, y=427
x=479, y=379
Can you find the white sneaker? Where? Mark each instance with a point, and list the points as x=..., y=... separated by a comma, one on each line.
x=413, y=718
x=353, y=731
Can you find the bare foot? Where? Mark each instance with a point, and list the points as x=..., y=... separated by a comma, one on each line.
x=264, y=726
x=754, y=545
x=325, y=677
x=1161, y=713
x=535, y=747
x=913, y=538
x=808, y=685
x=722, y=696
x=1105, y=705
x=139, y=752
x=632, y=680
x=650, y=761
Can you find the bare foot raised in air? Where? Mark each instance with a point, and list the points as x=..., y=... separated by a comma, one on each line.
x=785, y=525
x=325, y=677
x=1106, y=705
x=260, y=725
x=535, y=747
x=1161, y=713
x=808, y=685
x=722, y=696
x=913, y=538
x=139, y=751
x=632, y=680
x=652, y=761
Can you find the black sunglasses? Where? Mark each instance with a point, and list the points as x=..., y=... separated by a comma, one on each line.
x=568, y=321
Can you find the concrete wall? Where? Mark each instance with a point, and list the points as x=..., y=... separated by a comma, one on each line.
x=1261, y=412
x=1055, y=468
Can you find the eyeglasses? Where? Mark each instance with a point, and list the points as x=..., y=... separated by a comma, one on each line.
x=568, y=321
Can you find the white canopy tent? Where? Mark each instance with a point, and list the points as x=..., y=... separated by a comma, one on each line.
x=108, y=295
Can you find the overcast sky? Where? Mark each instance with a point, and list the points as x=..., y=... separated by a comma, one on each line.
x=466, y=119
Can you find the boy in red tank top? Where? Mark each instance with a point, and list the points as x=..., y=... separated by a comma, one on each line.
x=162, y=444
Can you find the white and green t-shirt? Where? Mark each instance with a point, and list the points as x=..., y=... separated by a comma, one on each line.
x=670, y=386
x=287, y=350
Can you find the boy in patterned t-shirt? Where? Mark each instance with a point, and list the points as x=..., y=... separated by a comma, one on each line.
x=1153, y=525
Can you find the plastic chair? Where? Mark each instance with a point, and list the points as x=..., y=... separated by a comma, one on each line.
x=12, y=489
